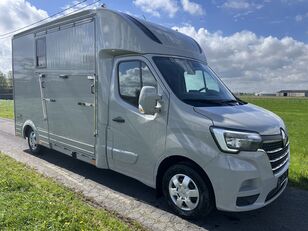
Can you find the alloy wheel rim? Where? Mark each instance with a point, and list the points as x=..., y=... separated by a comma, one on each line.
x=184, y=192
x=32, y=140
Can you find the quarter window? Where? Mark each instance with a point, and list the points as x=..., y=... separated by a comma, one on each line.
x=40, y=52
x=133, y=75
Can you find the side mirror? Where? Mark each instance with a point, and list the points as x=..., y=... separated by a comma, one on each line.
x=148, y=100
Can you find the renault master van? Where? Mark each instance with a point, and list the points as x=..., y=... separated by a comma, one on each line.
x=128, y=95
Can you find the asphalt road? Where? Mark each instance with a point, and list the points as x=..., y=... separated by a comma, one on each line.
x=288, y=212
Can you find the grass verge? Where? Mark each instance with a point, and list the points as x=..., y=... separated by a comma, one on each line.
x=7, y=109
x=294, y=112
x=30, y=201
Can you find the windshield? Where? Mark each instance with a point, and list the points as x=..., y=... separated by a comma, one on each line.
x=194, y=82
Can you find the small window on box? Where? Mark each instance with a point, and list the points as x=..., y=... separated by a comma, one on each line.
x=41, y=52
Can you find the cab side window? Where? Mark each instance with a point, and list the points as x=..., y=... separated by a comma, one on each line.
x=132, y=76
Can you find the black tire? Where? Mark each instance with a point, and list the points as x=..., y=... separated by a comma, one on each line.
x=35, y=149
x=205, y=202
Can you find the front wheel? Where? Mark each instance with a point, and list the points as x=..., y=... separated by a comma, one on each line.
x=34, y=147
x=187, y=193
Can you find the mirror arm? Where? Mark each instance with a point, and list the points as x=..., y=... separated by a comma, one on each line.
x=159, y=106
x=159, y=98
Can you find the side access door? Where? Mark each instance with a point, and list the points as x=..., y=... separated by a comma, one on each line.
x=135, y=140
x=70, y=89
x=70, y=103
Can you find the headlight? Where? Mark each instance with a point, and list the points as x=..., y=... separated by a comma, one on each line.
x=235, y=141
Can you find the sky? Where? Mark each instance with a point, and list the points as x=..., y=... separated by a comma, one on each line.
x=254, y=46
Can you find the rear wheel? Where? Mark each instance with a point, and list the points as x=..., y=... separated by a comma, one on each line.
x=187, y=193
x=34, y=147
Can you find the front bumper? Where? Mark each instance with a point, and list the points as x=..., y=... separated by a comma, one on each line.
x=245, y=181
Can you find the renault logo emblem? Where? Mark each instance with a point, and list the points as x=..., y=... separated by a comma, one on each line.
x=284, y=137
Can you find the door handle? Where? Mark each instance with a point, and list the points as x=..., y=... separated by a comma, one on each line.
x=92, y=89
x=118, y=119
x=63, y=76
x=85, y=104
x=49, y=100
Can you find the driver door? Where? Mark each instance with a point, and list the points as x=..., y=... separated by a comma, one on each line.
x=135, y=140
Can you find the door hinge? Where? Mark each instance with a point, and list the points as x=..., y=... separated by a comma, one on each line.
x=91, y=77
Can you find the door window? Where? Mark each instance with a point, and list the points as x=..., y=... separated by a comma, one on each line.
x=147, y=77
x=133, y=75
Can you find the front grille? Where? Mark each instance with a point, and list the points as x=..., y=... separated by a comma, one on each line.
x=277, y=153
x=272, y=145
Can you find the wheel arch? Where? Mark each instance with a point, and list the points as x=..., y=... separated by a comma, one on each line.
x=26, y=127
x=176, y=159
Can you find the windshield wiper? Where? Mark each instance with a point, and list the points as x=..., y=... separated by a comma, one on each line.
x=207, y=101
x=240, y=101
x=214, y=102
x=230, y=101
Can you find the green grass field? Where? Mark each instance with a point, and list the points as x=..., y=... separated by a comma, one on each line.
x=29, y=201
x=294, y=112
x=7, y=109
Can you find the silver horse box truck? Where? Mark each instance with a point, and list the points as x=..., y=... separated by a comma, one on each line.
x=137, y=98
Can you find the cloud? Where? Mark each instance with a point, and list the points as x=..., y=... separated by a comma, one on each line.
x=241, y=5
x=155, y=7
x=241, y=8
x=192, y=7
x=247, y=62
x=292, y=2
x=15, y=14
x=170, y=7
x=70, y=8
x=301, y=17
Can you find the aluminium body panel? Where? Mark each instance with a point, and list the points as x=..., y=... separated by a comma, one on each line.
x=65, y=86
x=28, y=106
x=119, y=32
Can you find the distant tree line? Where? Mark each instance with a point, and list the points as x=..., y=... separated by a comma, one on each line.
x=6, y=80
x=6, y=85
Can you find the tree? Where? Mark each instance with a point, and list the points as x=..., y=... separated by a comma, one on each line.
x=3, y=83
x=9, y=79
